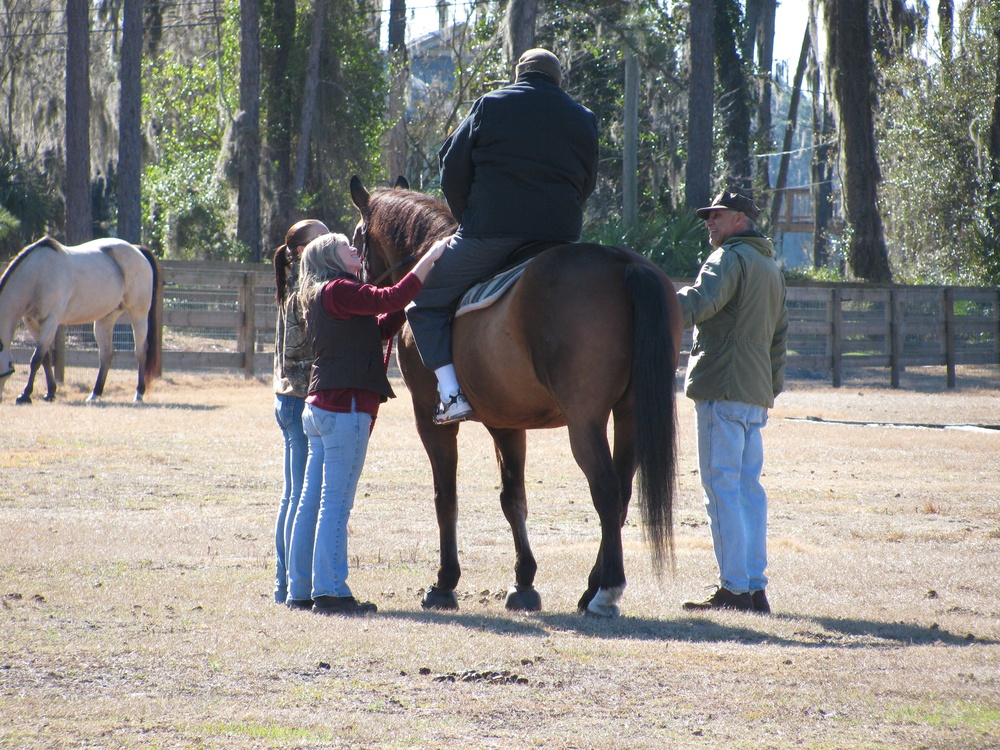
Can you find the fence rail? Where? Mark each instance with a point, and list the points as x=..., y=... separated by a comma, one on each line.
x=222, y=316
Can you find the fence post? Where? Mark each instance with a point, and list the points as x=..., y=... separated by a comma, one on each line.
x=836, y=348
x=949, y=334
x=895, y=339
x=249, y=329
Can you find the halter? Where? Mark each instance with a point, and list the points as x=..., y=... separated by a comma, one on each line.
x=363, y=254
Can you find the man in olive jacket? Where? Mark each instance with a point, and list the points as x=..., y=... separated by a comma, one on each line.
x=518, y=169
x=736, y=368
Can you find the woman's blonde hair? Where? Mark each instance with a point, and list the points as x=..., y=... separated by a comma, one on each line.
x=319, y=264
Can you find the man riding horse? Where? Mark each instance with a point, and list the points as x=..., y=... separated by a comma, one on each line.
x=517, y=170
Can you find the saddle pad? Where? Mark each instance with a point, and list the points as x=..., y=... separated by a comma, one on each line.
x=485, y=293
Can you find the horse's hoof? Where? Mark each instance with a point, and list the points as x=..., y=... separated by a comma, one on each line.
x=22, y=400
x=605, y=602
x=48, y=399
x=523, y=599
x=437, y=598
x=92, y=398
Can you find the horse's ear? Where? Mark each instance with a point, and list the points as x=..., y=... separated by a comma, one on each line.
x=402, y=183
x=359, y=195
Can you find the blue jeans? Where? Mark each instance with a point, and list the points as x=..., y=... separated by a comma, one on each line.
x=288, y=413
x=730, y=461
x=317, y=556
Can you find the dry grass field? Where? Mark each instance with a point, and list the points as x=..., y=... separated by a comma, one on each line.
x=136, y=574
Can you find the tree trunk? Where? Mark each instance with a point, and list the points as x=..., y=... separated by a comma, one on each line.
x=519, y=33
x=992, y=209
x=129, y=126
x=793, y=116
x=734, y=99
x=79, y=211
x=279, y=120
x=248, y=130
x=630, y=149
x=946, y=27
x=309, y=97
x=701, y=108
x=821, y=165
x=851, y=67
x=765, y=64
x=398, y=74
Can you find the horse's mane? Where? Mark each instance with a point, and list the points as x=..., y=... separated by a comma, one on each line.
x=409, y=219
x=46, y=241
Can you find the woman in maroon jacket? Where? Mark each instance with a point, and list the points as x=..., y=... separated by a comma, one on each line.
x=347, y=321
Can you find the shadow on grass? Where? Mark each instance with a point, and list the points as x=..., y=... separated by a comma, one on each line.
x=141, y=405
x=814, y=632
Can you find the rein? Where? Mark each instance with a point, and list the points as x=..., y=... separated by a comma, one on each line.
x=398, y=264
x=364, y=258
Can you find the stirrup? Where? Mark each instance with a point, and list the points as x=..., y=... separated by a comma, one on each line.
x=456, y=409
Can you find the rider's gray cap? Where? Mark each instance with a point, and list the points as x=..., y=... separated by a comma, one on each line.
x=540, y=60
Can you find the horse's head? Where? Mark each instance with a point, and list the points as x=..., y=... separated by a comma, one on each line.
x=377, y=262
x=396, y=226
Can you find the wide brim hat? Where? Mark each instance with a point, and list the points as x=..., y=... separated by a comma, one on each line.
x=733, y=201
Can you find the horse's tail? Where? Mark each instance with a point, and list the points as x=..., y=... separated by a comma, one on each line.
x=653, y=376
x=154, y=335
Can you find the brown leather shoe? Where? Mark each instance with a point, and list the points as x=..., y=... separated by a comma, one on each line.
x=724, y=599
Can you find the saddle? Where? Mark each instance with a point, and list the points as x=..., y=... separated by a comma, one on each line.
x=485, y=293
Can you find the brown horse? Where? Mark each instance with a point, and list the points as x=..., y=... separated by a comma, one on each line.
x=586, y=332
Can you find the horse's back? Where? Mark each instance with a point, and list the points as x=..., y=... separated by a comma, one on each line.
x=560, y=340
x=87, y=282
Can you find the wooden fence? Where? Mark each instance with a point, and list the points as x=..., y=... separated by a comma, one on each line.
x=222, y=316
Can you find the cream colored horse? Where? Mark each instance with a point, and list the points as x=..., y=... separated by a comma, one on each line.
x=48, y=285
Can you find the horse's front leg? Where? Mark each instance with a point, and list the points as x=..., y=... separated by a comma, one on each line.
x=37, y=358
x=441, y=444
x=510, y=448
x=606, y=582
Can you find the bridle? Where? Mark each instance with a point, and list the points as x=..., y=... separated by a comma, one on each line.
x=363, y=252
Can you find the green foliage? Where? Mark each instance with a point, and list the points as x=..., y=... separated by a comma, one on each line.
x=933, y=136
x=676, y=242
x=349, y=124
x=27, y=208
x=819, y=275
x=186, y=208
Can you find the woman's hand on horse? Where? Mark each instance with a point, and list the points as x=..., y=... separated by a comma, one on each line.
x=427, y=260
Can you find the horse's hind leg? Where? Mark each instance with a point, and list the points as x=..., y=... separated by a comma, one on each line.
x=510, y=448
x=103, y=333
x=606, y=582
x=50, y=377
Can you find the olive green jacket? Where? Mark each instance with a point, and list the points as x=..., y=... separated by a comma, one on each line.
x=737, y=308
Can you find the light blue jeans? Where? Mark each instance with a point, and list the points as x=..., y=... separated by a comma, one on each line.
x=288, y=413
x=317, y=556
x=730, y=461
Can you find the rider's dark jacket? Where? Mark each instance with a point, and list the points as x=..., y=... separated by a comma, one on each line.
x=522, y=163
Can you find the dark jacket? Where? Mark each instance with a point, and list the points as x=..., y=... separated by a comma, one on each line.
x=348, y=352
x=522, y=164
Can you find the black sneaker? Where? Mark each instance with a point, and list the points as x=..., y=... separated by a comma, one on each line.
x=760, y=604
x=342, y=605
x=299, y=603
x=724, y=599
